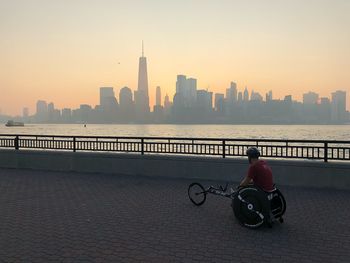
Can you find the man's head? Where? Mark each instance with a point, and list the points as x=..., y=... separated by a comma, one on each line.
x=253, y=154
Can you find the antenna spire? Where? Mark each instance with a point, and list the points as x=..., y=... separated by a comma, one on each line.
x=142, y=48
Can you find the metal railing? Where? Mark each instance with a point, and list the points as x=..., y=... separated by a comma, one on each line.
x=274, y=148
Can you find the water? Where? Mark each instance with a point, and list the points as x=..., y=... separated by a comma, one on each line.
x=306, y=132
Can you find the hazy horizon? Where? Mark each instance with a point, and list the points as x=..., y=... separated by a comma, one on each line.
x=63, y=51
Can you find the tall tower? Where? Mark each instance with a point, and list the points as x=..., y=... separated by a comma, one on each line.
x=141, y=95
x=158, y=96
x=245, y=94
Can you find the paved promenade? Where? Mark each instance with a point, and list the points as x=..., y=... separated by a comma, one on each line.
x=70, y=217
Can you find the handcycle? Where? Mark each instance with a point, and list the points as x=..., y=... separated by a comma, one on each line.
x=252, y=206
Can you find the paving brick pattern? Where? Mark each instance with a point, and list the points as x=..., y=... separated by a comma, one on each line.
x=71, y=217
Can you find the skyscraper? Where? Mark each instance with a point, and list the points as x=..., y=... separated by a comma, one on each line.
x=338, y=107
x=158, y=96
x=219, y=102
x=269, y=96
x=231, y=93
x=125, y=98
x=240, y=96
x=186, y=89
x=310, y=98
x=41, y=111
x=107, y=98
x=127, y=110
x=245, y=94
x=141, y=95
x=167, y=103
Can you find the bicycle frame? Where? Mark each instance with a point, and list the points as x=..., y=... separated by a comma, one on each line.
x=218, y=191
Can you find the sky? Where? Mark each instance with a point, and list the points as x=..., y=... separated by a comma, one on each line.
x=64, y=50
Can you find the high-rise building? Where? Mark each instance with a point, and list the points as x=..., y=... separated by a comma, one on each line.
x=192, y=90
x=219, y=102
x=231, y=93
x=125, y=98
x=338, y=106
x=127, y=106
x=246, y=95
x=186, y=89
x=158, y=96
x=167, y=103
x=269, y=96
x=204, y=100
x=310, y=98
x=107, y=98
x=41, y=111
x=84, y=112
x=256, y=96
x=288, y=98
x=66, y=115
x=141, y=95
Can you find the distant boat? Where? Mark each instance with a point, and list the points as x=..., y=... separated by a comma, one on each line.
x=14, y=124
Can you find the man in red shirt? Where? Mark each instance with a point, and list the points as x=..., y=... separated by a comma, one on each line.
x=259, y=173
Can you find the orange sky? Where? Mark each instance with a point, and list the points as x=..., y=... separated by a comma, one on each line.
x=63, y=51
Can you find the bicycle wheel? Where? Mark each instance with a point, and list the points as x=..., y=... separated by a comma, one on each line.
x=250, y=207
x=197, y=194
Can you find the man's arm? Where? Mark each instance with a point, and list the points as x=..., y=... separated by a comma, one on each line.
x=246, y=181
x=249, y=177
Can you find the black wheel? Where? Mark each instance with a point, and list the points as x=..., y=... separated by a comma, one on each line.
x=278, y=205
x=281, y=220
x=251, y=207
x=197, y=194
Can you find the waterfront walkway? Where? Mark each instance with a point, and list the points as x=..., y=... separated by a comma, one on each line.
x=74, y=217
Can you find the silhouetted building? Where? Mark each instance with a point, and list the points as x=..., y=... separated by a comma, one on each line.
x=310, y=98
x=255, y=96
x=127, y=106
x=158, y=96
x=204, y=101
x=269, y=96
x=338, y=108
x=246, y=95
x=187, y=89
x=125, y=98
x=41, y=111
x=219, y=102
x=231, y=93
x=167, y=104
x=66, y=115
x=108, y=102
x=141, y=95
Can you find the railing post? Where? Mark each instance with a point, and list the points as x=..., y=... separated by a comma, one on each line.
x=142, y=147
x=223, y=148
x=74, y=145
x=16, y=142
x=326, y=152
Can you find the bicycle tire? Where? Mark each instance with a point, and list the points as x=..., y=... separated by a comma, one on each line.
x=196, y=193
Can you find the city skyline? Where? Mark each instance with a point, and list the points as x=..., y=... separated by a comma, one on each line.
x=192, y=105
x=51, y=50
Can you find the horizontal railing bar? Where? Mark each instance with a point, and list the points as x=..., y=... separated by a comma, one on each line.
x=177, y=138
x=273, y=148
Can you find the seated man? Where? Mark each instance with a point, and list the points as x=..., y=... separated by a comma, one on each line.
x=259, y=173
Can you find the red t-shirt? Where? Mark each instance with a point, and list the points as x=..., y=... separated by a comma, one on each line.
x=261, y=174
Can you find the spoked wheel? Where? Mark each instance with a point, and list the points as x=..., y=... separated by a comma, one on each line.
x=251, y=207
x=197, y=194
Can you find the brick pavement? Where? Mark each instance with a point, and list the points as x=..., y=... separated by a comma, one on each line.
x=71, y=217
